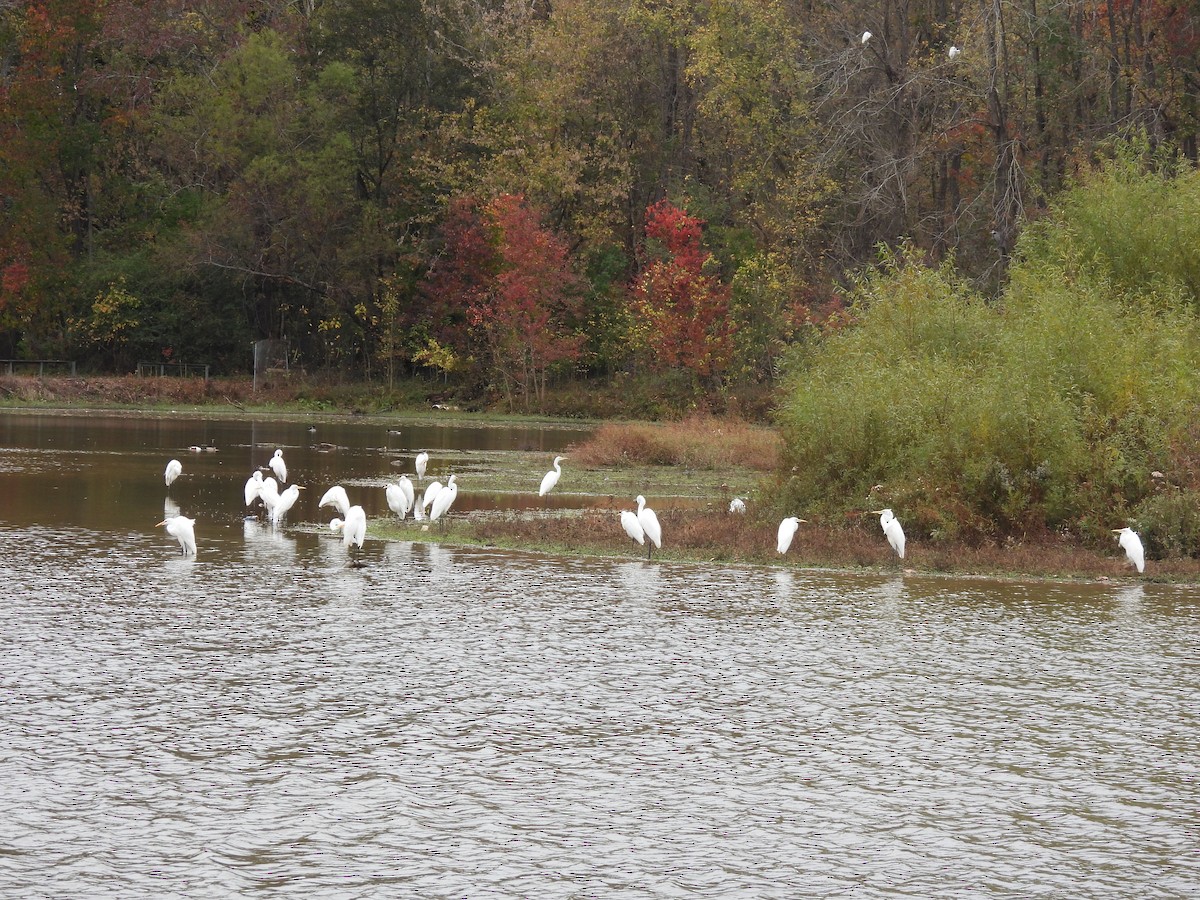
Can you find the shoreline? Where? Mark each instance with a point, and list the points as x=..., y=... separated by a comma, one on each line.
x=695, y=535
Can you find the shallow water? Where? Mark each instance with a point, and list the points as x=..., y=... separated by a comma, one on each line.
x=461, y=723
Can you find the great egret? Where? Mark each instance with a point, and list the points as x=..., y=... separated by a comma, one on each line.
x=431, y=492
x=866, y=36
x=335, y=524
x=354, y=529
x=253, y=485
x=649, y=522
x=420, y=465
x=400, y=496
x=633, y=528
x=279, y=467
x=953, y=52
x=268, y=492
x=183, y=530
x=336, y=497
x=787, y=531
x=173, y=471
x=285, y=502
x=1132, y=545
x=444, y=499
x=737, y=505
x=550, y=479
x=891, y=527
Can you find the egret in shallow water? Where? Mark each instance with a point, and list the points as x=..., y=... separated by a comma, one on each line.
x=891, y=527
x=649, y=521
x=253, y=486
x=337, y=498
x=400, y=496
x=286, y=501
x=183, y=530
x=173, y=471
x=550, y=479
x=1132, y=545
x=444, y=500
x=279, y=467
x=422, y=462
x=268, y=493
x=737, y=505
x=787, y=531
x=354, y=529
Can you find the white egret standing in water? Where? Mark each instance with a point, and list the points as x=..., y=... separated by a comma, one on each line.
x=649, y=522
x=787, y=531
x=253, y=485
x=183, y=530
x=173, y=471
x=285, y=502
x=891, y=527
x=444, y=499
x=268, y=492
x=279, y=467
x=400, y=496
x=1132, y=545
x=420, y=465
x=337, y=498
x=550, y=479
x=354, y=529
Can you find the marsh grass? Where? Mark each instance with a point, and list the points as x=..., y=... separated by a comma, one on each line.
x=850, y=544
x=699, y=442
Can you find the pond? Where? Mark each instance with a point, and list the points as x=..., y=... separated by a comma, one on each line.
x=450, y=722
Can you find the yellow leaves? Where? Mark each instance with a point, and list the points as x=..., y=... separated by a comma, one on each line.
x=115, y=314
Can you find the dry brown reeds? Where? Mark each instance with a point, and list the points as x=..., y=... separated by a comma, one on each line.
x=699, y=442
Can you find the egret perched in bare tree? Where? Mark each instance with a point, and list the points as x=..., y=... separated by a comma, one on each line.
x=866, y=36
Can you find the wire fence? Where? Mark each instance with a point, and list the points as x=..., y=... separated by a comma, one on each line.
x=181, y=370
x=270, y=361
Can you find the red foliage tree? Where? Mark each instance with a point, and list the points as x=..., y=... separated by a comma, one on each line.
x=512, y=279
x=684, y=310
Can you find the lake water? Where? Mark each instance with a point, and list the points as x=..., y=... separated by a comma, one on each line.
x=443, y=722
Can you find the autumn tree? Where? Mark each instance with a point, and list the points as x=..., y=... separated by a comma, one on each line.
x=513, y=280
x=681, y=302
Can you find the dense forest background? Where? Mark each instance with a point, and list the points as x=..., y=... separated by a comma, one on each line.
x=504, y=193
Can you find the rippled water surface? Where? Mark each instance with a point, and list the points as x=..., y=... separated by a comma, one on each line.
x=445, y=722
